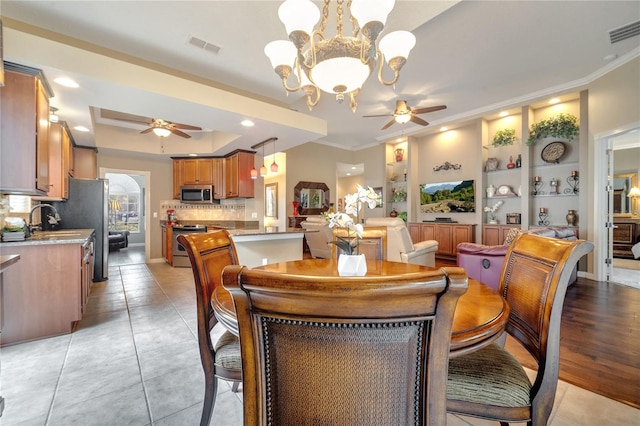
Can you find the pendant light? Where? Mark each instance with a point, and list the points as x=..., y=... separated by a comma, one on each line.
x=274, y=166
x=263, y=169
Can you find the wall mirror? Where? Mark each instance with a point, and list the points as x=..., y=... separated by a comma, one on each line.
x=623, y=206
x=271, y=200
x=313, y=197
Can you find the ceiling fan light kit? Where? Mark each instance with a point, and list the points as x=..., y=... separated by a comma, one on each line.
x=161, y=131
x=338, y=64
x=403, y=114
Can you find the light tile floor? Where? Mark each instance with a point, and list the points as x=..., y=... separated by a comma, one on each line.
x=133, y=360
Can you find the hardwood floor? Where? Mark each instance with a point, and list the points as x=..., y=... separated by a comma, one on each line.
x=599, y=339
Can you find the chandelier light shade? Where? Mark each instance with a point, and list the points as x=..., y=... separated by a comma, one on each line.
x=161, y=131
x=340, y=64
x=254, y=173
x=274, y=165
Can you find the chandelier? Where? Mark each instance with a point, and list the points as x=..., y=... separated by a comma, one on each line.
x=338, y=64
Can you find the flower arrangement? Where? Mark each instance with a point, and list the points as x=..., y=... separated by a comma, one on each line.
x=560, y=126
x=353, y=204
x=398, y=195
x=504, y=137
x=492, y=210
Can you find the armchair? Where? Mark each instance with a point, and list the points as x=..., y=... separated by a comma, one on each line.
x=400, y=248
x=484, y=263
x=319, y=237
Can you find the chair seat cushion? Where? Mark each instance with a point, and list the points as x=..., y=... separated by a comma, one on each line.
x=490, y=376
x=228, y=351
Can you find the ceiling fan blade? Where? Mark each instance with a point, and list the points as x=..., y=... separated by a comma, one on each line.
x=185, y=126
x=428, y=109
x=418, y=120
x=386, y=126
x=123, y=116
x=147, y=130
x=179, y=133
x=378, y=115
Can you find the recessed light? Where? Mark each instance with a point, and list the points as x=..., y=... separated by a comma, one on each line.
x=554, y=101
x=353, y=167
x=247, y=123
x=66, y=82
x=81, y=129
x=443, y=129
x=503, y=114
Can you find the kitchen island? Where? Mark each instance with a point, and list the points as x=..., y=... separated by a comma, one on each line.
x=257, y=247
x=46, y=292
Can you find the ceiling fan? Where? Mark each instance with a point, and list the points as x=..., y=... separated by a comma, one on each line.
x=403, y=114
x=158, y=126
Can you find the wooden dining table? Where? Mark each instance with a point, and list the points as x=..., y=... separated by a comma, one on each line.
x=480, y=317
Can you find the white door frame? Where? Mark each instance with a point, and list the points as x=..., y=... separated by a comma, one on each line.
x=600, y=168
x=147, y=201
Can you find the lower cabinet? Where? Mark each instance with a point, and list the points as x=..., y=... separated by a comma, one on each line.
x=448, y=236
x=626, y=233
x=494, y=235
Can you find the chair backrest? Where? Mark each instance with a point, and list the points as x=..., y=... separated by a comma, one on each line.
x=398, y=237
x=209, y=253
x=534, y=281
x=344, y=350
x=318, y=237
x=373, y=243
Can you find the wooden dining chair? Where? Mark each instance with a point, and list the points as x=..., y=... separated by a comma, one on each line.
x=373, y=243
x=491, y=383
x=331, y=350
x=209, y=253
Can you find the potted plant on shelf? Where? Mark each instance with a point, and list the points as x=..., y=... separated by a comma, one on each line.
x=560, y=126
x=504, y=137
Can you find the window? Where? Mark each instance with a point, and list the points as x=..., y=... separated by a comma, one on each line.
x=124, y=203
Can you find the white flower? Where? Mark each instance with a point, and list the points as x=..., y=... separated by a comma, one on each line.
x=353, y=204
x=495, y=207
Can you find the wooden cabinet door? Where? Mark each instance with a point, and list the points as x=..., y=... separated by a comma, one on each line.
x=177, y=178
x=205, y=171
x=245, y=183
x=414, y=232
x=190, y=172
x=164, y=243
x=85, y=163
x=218, y=178
x=66, y=161
x=461, y=234
x=428, y=232
x=444, y=235
x=231, y=176
x=491, y=235
x=42, y=138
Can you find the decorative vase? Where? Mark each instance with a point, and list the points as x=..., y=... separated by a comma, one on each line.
x=572, y=218
x=493, y=221
x=491, y=190
x=352, y=265
x=393, y=213
x=296, y=204
x=511, y=164
x=399, y=154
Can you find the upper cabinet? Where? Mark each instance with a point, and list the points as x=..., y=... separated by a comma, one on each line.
x=85, y=162
x=24, y=142
x=60, y=162
x=230, y=175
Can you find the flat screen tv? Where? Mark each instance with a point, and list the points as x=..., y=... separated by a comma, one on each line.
x=448, y=197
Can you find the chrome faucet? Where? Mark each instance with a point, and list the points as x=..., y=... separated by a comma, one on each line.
x=53, y=220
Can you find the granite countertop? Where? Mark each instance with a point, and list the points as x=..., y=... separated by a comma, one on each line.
x=265, y=230
x=64, y=236
x=225, y=224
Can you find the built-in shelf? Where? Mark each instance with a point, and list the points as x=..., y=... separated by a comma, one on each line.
x=554, y=195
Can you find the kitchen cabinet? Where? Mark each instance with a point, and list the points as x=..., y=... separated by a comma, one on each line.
x=60, y=149
x=197, y=171
x=24, y=134
x=218, y=178
x=177, y=178
x=50, y=287
x=85, y=162
x=167, y=236
x=448, y=236
x=237, y=175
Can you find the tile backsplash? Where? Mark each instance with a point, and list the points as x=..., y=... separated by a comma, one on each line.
x=226, y=210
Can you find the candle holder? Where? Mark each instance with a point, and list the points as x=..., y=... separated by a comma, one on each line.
x=573, y=182
x=537, y=184
x=554, y=183
x=543, y=215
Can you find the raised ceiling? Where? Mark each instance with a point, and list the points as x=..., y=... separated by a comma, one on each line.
x=136, y=57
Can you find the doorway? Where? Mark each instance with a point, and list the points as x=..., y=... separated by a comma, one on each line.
x=617, y=154
x=130, y=197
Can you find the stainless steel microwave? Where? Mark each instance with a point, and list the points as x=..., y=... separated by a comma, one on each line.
x=197, y=194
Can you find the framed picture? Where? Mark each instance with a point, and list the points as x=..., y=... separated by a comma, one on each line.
x=378, y=190
x=271, y=200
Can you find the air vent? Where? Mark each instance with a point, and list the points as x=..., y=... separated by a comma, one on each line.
x=195, y=41
x=623, y=33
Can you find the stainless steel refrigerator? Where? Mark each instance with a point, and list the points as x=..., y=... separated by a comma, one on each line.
x=87, y=207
